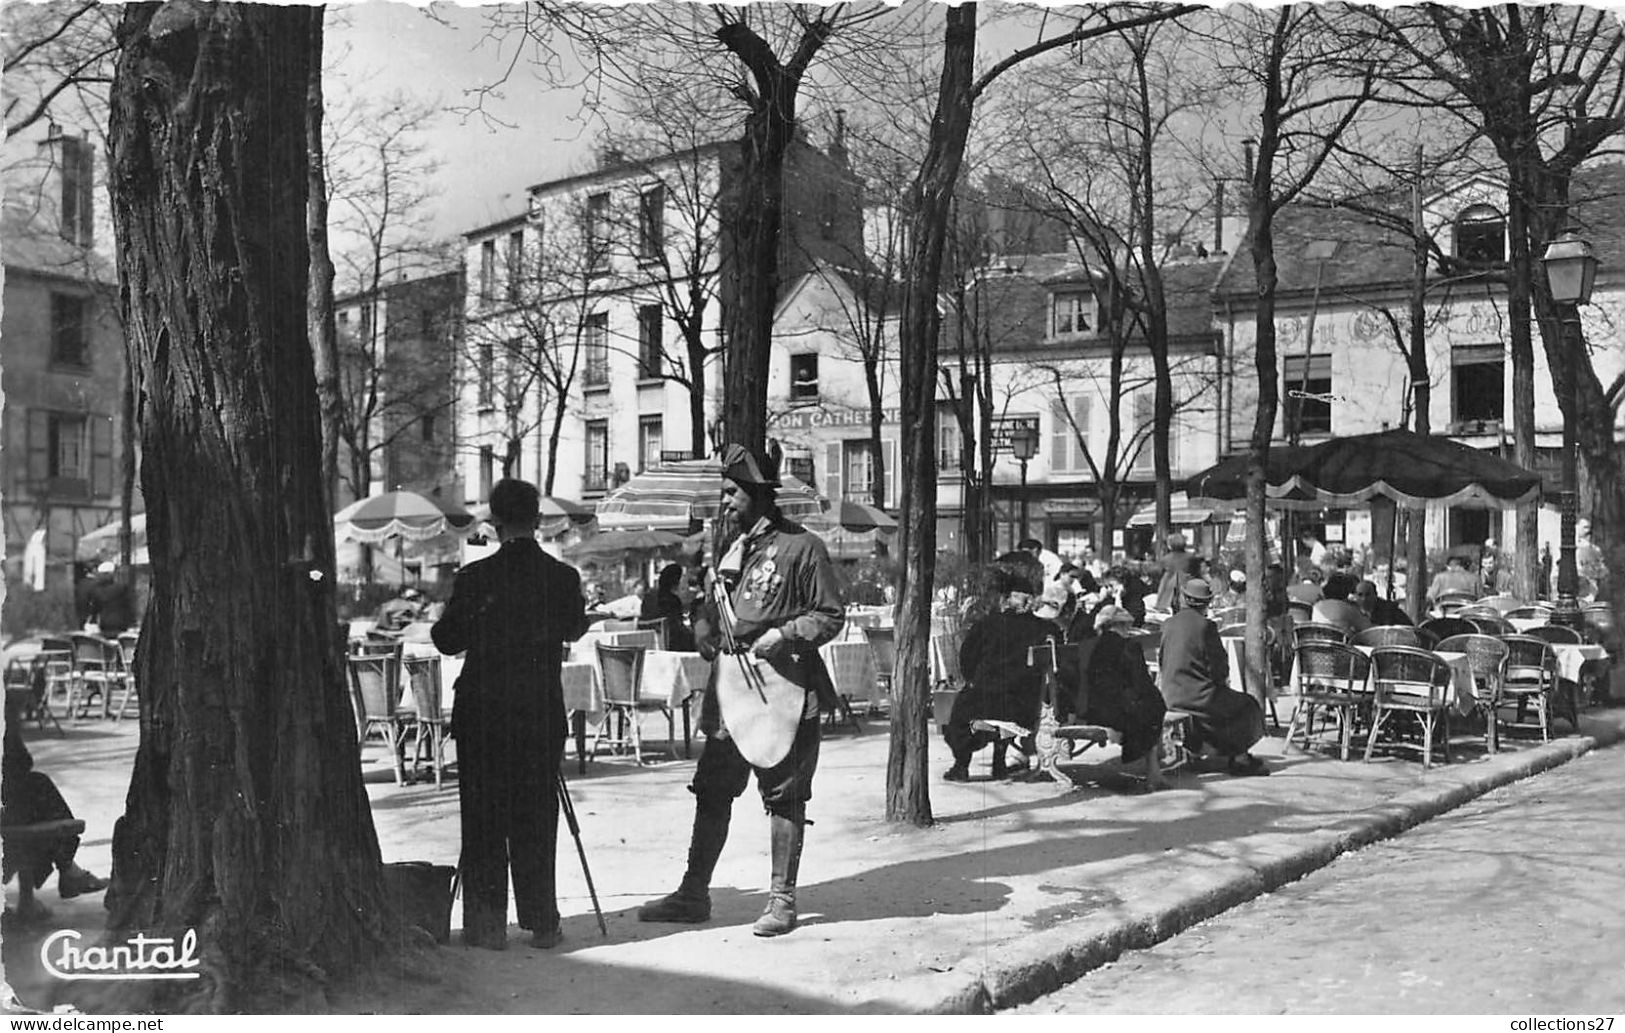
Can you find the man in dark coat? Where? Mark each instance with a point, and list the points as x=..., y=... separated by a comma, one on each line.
x=109, y=601
x=1110, y=685
x=1000, y=682
x=1196, y=679
x=1376, y=608
x=1178, y=566
x=786, y=602
x=512, y=613
x=29, y=797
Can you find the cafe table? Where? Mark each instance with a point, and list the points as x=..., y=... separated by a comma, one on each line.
x=851, y=665
x=677, y=677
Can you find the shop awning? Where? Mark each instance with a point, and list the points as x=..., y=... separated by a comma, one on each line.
x=1181, y=513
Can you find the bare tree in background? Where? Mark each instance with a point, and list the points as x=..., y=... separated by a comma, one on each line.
x=1546, y=87
x=379, y=175
x=907, y=784
x=1287, y=66
x=757, y=56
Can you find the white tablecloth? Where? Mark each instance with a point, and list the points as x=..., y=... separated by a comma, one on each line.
x=585, y=647
x=667, y=674
x=1570, y=658
x=852, y=668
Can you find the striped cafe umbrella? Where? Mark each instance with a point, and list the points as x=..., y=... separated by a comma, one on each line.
x=405, y=514
x=674, y=494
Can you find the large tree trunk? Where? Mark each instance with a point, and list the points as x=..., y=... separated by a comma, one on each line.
x=697, y=429
x=323, y=334
x=908, y=796
x=1416, y=557
x=755, y=212
x=1525, y=548
x=246, y=818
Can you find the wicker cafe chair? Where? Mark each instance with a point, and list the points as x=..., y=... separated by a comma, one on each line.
x=883, y=647
x=1449, y=603
x=1488, y=625
x=375, y=690
x=1334, y=676
x=625, y=703
x=1315, y=632
x=98, y=669
x=1300, y=612
x=1415, y=682
x=1477, y=610
x=1529, y=613
x=1442, y=628
x=659, y=626
x=1531, y=679
x=432, y=723
x=1556, y=633
x=1487, y=657
x=1390, y=635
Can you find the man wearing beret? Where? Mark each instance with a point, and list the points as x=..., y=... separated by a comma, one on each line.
x=786, y=603
x=1195, y=678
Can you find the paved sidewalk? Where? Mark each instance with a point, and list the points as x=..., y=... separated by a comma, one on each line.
x=1018, y=888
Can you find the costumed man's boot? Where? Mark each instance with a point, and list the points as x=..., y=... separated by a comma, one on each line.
x=780, y=915
x=692, y=900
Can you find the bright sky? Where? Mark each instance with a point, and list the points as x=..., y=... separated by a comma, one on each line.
x=381, y=48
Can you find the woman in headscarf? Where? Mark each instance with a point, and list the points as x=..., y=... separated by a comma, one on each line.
x=1106, y=682
x=1003, y=682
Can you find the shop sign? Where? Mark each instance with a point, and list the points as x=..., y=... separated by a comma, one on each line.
x=1004, y=429
x=814, y=419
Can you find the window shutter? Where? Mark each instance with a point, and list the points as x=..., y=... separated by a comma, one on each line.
x=832, y=472
x=1080, y=416
x=893, y=474
x=39, y=447
x=1060, y=446
x=101, y=455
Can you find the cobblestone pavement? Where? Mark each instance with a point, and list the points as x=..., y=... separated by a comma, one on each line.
x=1508, y=906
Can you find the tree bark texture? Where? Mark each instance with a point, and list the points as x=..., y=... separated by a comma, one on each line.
x=323, y=334
x=246, y=818
x=754, y=214
x=1261, y=209
x=908, y=796
x=1526, y=558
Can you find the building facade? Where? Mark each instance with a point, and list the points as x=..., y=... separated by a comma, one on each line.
x=64, y=358
x=593, y=322
x=1341, y=328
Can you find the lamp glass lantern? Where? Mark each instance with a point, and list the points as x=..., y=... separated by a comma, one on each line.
x=1571, y=269
x=1024, y=445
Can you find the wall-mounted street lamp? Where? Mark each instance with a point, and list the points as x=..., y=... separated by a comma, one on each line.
x=1024, y=445
x=1571, y=269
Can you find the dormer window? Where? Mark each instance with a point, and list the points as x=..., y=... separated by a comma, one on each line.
x=804, y=377
x=1481, y=235
x=1072, y=314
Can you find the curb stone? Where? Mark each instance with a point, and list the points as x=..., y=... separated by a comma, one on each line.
x=1055, y=964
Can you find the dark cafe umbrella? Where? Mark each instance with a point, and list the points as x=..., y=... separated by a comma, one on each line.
x=856, y=517
x=619, y=543
x=1407, y=468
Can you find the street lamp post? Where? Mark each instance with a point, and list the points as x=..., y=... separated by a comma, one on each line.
x=1571, y=268
x=1024, y=445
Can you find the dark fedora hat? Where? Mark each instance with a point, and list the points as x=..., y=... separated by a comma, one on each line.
x=1197, y=590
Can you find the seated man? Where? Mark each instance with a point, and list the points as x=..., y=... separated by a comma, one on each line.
x=1334, y=606
x=395, y=614
x=1196, y=679
x=1454, y=579
x=1376, y=608
x=1111, y=686
x=1307, y=588
x=999, y=684
x=29, y=797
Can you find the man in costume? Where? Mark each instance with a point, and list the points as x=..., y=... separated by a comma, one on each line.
x=1195, y=678
x=780, y=586
x=512, y=612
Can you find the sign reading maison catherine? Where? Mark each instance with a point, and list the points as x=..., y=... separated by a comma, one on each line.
x=814, y=418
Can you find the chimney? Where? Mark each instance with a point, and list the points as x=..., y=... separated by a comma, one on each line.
x=1247, y=153
x=837, y=148
x=1218, y=216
